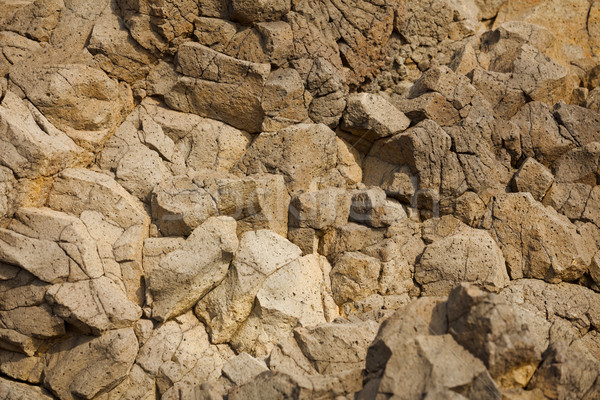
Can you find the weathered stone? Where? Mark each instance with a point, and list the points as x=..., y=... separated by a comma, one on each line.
x=93, y=306
x=294, y=295
x=187, y=274
x=31, y=146
x=534, y=178
x=348, y=237
x=243, y=368
x=21, y=367
x=455, y=88
x=468, y=256
x=11, y=390
x=81, y=101
x=83, y=367
x=536, y=241
x=234, y=87
x=372, y=117
x=336, y=347
x=579, y=165
x=287, y=357
x=372, y=208
x=354, y=276
x=306, y=154
x=283, y=100
x=321, y=209
x=265, y=10
x=260, y=254
x=498, y=333
x=272, y=385
x=430, y=105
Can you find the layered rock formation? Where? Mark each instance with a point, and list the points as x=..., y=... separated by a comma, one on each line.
x=275, y=199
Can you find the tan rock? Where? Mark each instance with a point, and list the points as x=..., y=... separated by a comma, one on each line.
x=234, y=87
x=534, y=178
x=372, y=117
x=94, y=306
x=11, y=390
x=283, y=100
x=354, y=276
x=321, y=209
x=337, y=347
x=532, y=238
x=469, y=256
x=21, y=367
x=186, y=275
x=264, y=10
x=260, y=254
x=305, y=154
x=31, y=145
x=243, y=368
x=81, y=101
x=348, y=237
x=85, y=367
x=372, y=208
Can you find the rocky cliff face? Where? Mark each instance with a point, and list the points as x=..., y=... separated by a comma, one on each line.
x=275, y=199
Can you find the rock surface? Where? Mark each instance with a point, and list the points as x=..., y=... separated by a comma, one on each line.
x=269, y=199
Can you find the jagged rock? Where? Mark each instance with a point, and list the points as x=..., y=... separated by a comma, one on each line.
x=21, y=367
x=534, y=178
x=372, y=208
x=93, y=306
x=69, y=252
x=567, y=372
x=115, y=53
x=503, y=336
x=82, y=101
x=273, y=385
x=336, y=347
x=348, y=237
x=579, y=165
x=295, y=295
x=504, y=94
x=435, y=366
x=354, y=276
x=283, y=100
x=266, y=10
x=260, y=254
x=324, y=83
x=536, y=241
x=455, y=88
x=138, y=384
x=430, y=105
x=288, y=358
x=11, y=390
x=581, y=124
x=540, y=136
x=182, y=203
x=243, y=368
x=371, y=117
x=468, y=256
x=305, y=154
x=85, y=366
x=234, y=87
x=31, y=145
x=185, y=275
x=573, y=304
x=178, y=355
x=321, y=209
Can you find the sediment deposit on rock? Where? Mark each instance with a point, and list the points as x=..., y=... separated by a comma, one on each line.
x=299, y=199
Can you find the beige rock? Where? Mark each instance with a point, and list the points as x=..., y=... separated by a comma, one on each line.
x=186, y=275
x=31, y=145
x=295, y=295
x=579, y=165
x=32, y=19
x=372, y=208
x=533, y=239
x=372, y=117
x=287, y=357
x=24, y=329
x=283, y=100
x=580, y=123
x=469, y=256
x=21, y=367
x=84, y=366
x=94, y=306
x=354, y=276
x=500, y=334
x=11, y=390
x=114, y=52
x=534, y=178
x=455, y=88
x=81, y=101
x=337, y=347
x=430, y=105
x=305, y=154
x=69, y=252
x=234, y=87
x=138, y=384
x=243, y=368
x=569, y=199
x=348, y=237
x=265, y=10
x=305, y=238
x=276, y=384
x=321, y=209
x=260, y=254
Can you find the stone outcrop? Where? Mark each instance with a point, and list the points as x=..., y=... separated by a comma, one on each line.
x=298, y=199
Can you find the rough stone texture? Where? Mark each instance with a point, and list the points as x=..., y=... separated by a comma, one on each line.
x=183, y=276
x=299, y=199
x=535, y=239
x=468, y=256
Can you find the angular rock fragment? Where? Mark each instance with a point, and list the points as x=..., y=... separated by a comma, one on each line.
x=534, y=178
x=354, y=276
x=186, y=275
